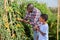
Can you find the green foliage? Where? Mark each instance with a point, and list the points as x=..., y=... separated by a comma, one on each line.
x=21, y=30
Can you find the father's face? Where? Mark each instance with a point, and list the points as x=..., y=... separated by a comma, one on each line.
x=29, y=10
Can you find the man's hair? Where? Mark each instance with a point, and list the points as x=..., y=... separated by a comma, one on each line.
x=44, y=16
x=30, y=6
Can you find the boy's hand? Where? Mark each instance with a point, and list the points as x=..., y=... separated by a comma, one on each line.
x=43, y=34
x=38, y=29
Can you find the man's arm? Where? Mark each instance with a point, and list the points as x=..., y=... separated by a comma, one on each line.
x=22, y=20
x=25, y=19
x=36, y=17
x=38, y=13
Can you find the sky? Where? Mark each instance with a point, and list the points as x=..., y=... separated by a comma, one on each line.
x=50, y=3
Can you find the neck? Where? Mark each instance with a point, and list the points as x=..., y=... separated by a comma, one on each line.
x=44, y=22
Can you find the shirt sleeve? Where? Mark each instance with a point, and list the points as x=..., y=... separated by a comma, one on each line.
x=26, y=17
x=37, y=17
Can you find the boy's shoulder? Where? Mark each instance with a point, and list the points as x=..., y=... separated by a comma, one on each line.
x=40, y=24
x=44, y=25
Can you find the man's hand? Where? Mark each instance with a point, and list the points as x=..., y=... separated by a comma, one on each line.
x=19, y=19
x=22, y=20
x=38, y=29
x=35, y=28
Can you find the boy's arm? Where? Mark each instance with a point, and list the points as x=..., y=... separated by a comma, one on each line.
x=38, y=29
x=42, y=33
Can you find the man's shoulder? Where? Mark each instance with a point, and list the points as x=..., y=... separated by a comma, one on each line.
x=36, y=10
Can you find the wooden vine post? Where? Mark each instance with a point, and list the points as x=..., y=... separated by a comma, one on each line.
x=58, y=19
x=5, y=1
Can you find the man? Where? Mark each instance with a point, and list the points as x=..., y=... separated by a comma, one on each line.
x=32, y=15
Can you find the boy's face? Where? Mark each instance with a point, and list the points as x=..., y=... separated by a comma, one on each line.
x=41, y=19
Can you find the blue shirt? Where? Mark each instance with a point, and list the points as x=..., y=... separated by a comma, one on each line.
x=44, y=29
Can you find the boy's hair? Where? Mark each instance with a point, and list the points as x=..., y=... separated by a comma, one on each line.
x=44, y=16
